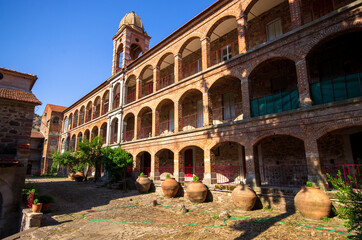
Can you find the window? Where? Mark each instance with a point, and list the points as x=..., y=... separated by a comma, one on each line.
x=56, y=120
x=53, y=142
x=226, y=53
x=274, y=30
x=228, y=106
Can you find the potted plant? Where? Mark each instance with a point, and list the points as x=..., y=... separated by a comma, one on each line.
x=36, y=206
x=46, y=200
x=196, y=190
x=170, y=187
x=312, y=202
x=143, y=183
x=243, y=197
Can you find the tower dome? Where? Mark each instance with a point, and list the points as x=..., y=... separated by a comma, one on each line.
x=132, y=20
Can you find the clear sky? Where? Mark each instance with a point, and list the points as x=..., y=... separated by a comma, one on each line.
x=68, y=43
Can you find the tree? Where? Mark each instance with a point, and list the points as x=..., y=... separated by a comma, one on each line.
x=65, y=159
x=116, y=162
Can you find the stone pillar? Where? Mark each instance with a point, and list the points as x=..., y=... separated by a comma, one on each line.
x=108, y=136
x=120, y=93
x=176, y=120
x=115, y=61
x=303, y=83
x=178, y=171
x=209, y=176
x=206, y=113
x=178, y=68
x=205, y=52
x=252, y=177
x=124, y=94
x=119, y=129
x=156, y=78
x=155, y=174
x=295, y=13
x=135, y=137
x=313, y=163
x=245, y=98
x=153, y=123
x=242, y=33
x=138, y=88
x=110, y=101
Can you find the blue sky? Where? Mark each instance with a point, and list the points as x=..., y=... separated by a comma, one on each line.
x=68, y=43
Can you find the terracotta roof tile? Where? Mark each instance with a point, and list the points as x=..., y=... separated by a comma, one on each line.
x=35, y=134
x=18, y=95
x=57, y=108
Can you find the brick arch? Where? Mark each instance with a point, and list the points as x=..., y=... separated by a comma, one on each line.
x=163, y=101
x=280, y=132
x=144, y=69
x=182, y=95
x=189, y=39
x=216, y=78
x=327, y=35
x=170, y=148
x=163, y=57
x=220, y=18
x=143, y=109
x=128, y=79
x=130, y=111
x=127, y=116
x=221, y=140
x=264, y=58
x=348, y=123
x=247, y=5
x=137, y=153
x=187, y=144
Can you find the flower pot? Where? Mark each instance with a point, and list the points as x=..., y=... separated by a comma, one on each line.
x=243, y=197
x=143, y=184
x=36, y=208
x=170, y=187
x=313, y=203
x=196, y=192
x=79, y=176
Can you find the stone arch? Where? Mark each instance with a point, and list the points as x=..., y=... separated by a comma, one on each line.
x=81, y=115
x=164, y=163
x=129, y=126
x=105, y=102
x=143, y=162
x=135, y=51
x=87, y=134
x=76, y=118
x=116, y=95
x=144, y=122
x=97, y=107
x=94, y=132
x=88, y=112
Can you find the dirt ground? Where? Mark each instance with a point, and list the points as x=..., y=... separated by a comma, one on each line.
x=86, y=211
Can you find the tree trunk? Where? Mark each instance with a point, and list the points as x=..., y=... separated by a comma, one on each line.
x=97, y=175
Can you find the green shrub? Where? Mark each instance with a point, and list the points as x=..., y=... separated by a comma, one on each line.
x=168, y=175
x=142, y=174
x=36, y=201
x=195, y=178
x=350, y=202
x=309, y=184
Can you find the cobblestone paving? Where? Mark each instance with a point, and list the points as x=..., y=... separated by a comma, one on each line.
x=73, y=200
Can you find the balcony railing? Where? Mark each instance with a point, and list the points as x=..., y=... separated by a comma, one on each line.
x=192, y=68
x=349, y=172
x=216, y=56
x=227, y=112
x=146, y=171
x=114, y=139
x=284, y=175
x=337, y=89
x=105, y=109
x=166, y=126
x=96, y=114
x=228, y=174
x=166, y=81
x=131, y=97
x=147, y=89
x=128, y=135
x=163, y=171
x=146, y=132
x=282, y=101
x=193, y=120
x=191, y=171
x=116, y=101
x=88, y=118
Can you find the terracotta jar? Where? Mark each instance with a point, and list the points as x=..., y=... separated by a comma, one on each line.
x=243, y=197
x=196, y=192
x=313, y=203
x=36, y=208
x=170, y=187
x=79, y=176
x=143, y=184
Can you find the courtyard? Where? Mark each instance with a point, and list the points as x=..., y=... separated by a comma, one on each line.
x=84, y=210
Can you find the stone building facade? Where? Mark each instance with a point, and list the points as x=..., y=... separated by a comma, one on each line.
x=268, y=92
x=36, y=152
x=17, y=104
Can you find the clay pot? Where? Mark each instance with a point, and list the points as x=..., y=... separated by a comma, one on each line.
x=313, y=203
x=143, y=184
x=79, y=176
x=243, y=197
x=170, y=187
x=196, y=192
x=36, y=208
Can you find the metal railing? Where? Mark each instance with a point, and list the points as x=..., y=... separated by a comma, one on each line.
x=194, y=120
x=228, y=174
x=128, y=135
x=349, y=173
x=116, y=101
x=131, y=97
x=192, y=68
x=166, y=126
x=166, y=80
x=284, y=175
x=147, y=89
x=105, y=109
x=191, y=171
x=96, y=114
x=146, y=132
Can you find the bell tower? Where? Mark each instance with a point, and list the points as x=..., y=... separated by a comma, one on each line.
x=130, y=41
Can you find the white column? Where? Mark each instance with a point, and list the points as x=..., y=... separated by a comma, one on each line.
x=110, y=99
x=124, y=93
x=108, y=136
x=119, y=128
x=121, y=94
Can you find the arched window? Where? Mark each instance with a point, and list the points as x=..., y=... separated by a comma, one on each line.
x=56, y=120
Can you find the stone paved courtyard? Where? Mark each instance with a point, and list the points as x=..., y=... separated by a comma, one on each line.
x=75, y=200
